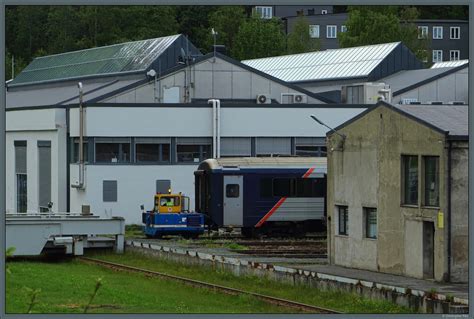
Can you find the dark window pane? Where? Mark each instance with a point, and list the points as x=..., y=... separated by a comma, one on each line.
x=410, y=176
x=282, y=187
x=21, y=184
x=85, y=150
x=112, y=152
x=148, y=152
x=188, y=153
x=343, y=217
x=232, y=190
x=431, y=181
x=266, y=187
x=165, y=152
x=370, y=215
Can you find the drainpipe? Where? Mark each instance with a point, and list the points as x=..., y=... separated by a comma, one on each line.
x=81, y=139
x=218, y=130
x=449, y=209
x=214, y=127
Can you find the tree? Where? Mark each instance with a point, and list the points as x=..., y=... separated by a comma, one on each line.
x=299, y=40
x=258, y=38
x=381, y=24
x=226, y=21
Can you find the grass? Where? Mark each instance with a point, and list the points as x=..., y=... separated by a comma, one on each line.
x=66, y=286
x=342, y=301
x=134, y=231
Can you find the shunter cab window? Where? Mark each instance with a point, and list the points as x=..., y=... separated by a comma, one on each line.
x=232, y=190
x=168, y=201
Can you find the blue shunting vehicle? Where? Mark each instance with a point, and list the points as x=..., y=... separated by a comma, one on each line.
x=171, y=216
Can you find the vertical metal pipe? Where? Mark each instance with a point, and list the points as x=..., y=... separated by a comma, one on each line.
x=81, y=136
x=218, y=129
x=214, y=128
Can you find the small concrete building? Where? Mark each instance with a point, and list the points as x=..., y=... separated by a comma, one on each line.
x=398, y=191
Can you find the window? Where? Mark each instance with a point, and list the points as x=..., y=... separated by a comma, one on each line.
x=271, y=146
x=422, y=55
x=422, y=32
x=310, y=151
x=236, y=146
x=44, y=174
x=163, y=186
x=264, y=12
x=343, y=28
x=343, y=220
x=85, y=150
x=454, y=55
x=21, y=177
x=314, y=31
x=370, y=221
x=112, y=150
x=455, y=32
x=431, y=180
x=437, y=56
x=152, y=150
x=109, y=191
x=331, y=31
x=437, y=32
x=409, y=180
x=193, y=149
x=292, y=187
x=232, y=190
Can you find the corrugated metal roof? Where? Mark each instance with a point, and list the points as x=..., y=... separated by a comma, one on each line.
x=450, y=118
x=406, y=78
x=324, y=65
x=112, y=59
x=449, y=64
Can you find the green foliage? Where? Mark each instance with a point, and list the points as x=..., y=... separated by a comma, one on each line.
x=66, y=288
x=259, y=38
x=33, y=294
x=9, y=253
x=382, y=24
x=226, y=21
x=299, y=40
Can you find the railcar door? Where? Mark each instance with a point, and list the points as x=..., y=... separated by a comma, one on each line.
x=233, y=200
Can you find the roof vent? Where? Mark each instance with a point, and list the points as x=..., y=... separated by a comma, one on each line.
x=435, y=103
x=456, y=103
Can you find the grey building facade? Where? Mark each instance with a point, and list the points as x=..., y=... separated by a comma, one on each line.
x=398, y=191
x=448, y=39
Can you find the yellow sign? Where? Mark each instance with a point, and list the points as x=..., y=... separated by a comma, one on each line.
x=440, y=220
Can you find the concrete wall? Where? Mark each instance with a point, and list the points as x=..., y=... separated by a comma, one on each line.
x=459, y=211
x=49, y=125
x=374, y=146
x=209, y=79
x=136, y=185
x=449, y=88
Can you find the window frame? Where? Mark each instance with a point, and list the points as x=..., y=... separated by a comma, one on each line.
x=120, y=151
x=457, y=35
x=332, y=27
x=438, y=53
x=160, y=153
x=405, y=201
x=263, y=13
x=314, y=26
x=201, y=153
x=451, y=55
x=231, y=194
x=438, y=35
x=423, y=31
x=343, y=28
x=426, y=200
x=342, y=231
x=366, y=212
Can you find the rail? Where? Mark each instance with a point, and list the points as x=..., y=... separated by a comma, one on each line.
x=227, y=290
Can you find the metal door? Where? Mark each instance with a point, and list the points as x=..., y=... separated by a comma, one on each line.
x=428, y=250
x=233, y=202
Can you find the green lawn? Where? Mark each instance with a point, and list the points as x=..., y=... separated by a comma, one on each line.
x=67, y=285
x=344, y=302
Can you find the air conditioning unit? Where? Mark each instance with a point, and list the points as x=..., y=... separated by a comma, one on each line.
x=264, y=99
x=366, y=93
x=300, y=98
x=435, y=102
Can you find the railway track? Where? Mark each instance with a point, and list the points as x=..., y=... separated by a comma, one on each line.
x=202, y=284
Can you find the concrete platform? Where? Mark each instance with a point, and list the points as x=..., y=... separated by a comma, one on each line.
x=315, y=267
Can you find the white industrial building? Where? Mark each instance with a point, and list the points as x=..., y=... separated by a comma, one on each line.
x=147, y=123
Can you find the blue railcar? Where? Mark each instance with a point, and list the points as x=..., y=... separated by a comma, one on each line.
x=262, y=194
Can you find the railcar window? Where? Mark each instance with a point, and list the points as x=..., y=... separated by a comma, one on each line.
x=282, y=186
x=266, y=187
x=232, y=190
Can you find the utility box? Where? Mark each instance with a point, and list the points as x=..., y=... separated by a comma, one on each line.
x=366, y=93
